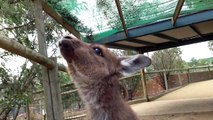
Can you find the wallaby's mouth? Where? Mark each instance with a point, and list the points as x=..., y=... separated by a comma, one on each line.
x=67, y=45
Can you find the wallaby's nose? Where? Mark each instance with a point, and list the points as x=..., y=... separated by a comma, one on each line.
x=67, y=37
x=64, y=43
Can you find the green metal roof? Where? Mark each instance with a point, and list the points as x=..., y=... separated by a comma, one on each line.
x=107, y=21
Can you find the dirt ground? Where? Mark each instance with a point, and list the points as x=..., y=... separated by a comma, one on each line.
x=194, y=90
x=188, y=116
x=192, y=102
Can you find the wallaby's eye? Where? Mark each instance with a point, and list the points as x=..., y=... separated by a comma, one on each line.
x=98, y=51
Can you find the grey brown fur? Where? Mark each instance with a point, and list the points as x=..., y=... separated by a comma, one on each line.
x=96, y=76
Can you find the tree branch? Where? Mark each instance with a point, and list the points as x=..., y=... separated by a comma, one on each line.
x=13, y=1
x=16, y=27
x=4, y=113
x=17, y=112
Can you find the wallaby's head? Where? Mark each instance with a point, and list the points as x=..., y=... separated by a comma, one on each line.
x=95, y=62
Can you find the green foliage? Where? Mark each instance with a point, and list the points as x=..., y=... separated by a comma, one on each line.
x=132, y=84
x=200, y=62
x=210, y=45
x=112, y=16
x=210, y=60
x=167, y=59
x=17, y=21
x=129, y=52
x=17, y=90
x=64, y=78
x=196, y=5
x=136, y=12
x=71, y=100
x=3, y=75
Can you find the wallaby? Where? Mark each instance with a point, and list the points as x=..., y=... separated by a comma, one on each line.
x=95, y=72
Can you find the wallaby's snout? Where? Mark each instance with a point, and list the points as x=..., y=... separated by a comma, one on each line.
x=67, y=46
x=64, y=43
x=68, y=41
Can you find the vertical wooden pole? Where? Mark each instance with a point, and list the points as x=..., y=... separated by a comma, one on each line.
x=49, y=77
x=165, y=80
x=42, y=50
x=188, y=75
x=209, y=71
x=143, y=80
x=28, y=111
x=56, y=92
x=179, y=79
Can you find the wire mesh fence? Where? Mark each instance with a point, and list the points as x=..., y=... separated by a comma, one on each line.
x=136, y=13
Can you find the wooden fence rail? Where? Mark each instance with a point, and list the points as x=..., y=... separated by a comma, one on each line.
x=14, y=47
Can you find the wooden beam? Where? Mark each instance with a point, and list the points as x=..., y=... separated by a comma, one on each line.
x=14, y=47
x=160, y=35
x=69, y=92
x=141, y=42
x=172, y=44
x=59, y=19
x=161, y=26
x=62, y=68
x=119, y=46
x=75, y=117
x=196, y=31
x=177, y=11
x=121, y=17
x=17, y=48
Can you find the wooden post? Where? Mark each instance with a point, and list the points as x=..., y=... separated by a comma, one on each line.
x=42, y=50
x=165, y=80
x=49, y=77
x=143, y=80
x=28, y=111
x=209, y=71
x=188, y=75
x=179, y=79
x=56, y=92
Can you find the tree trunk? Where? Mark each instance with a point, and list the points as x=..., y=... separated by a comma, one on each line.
x=19, y=106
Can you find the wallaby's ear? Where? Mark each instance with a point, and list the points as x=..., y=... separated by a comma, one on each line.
x=132, y=64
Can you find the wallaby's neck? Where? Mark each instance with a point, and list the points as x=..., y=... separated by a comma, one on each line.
x=103, y=100
x=101, y=93
x=102, y=96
